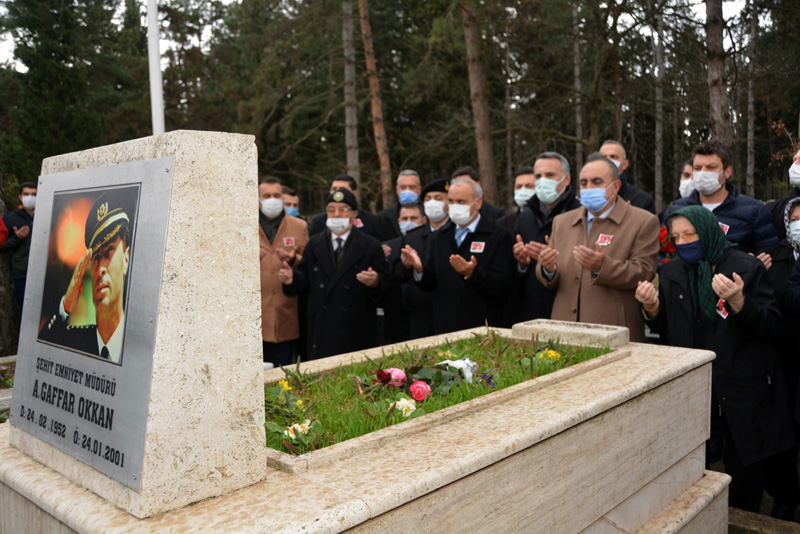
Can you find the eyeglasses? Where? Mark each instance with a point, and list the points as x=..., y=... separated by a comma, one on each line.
x=335, y=209
x=686, y=236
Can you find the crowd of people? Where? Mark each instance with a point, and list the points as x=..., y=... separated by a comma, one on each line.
x=716, y=270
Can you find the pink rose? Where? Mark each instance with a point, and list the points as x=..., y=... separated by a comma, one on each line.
x=420, y=390
x=398, y=376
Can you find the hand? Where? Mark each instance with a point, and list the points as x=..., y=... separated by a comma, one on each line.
x=369, y=278
x=410, y=259
x=591, y=259
x=462, y=266
x=647, y=295
x=286, y=275
x=730, y=290
x=261, y=253
x=520, y=254
x=75, y=287
x=285, y=256
x=548, y=257
x=387, y=250
x=766, y=259
x=23, y=232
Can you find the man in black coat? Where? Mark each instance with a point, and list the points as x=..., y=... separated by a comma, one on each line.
x=20, y=223
x=364, y=220
x=408, y=190
x=777, y=207
x=469, y=265
x=487, y=210
x=342, y=276
x=556, y=196
x=639, y=198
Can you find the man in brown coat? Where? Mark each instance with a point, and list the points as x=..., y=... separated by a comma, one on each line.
x=281, y=238
x=598, y=253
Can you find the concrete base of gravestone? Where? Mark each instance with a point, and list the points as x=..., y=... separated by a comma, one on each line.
x=612, y=445
x=205, y=422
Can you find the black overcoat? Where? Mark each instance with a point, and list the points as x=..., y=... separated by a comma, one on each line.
x=460, y=303
x=748, y=387
x=340, y=309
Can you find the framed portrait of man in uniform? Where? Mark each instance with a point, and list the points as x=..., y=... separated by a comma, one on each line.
x=91, y=239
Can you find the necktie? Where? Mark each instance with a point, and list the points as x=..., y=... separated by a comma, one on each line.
x=339, y=252
x=461, y=233
x=104, y=353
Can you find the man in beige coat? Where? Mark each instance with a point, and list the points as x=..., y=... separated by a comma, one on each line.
x=281, y=238
x=596, y=271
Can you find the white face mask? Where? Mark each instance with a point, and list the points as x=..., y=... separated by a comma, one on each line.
x=686, y=187
x=615, y=162
x=272, y=207
x=29, y=202
x=460, y=213
x=794, y=231
x=794, y=175
x=522, y=195
x=338, y=225
x=706, y=183
x=405, y=226
x=434, y=210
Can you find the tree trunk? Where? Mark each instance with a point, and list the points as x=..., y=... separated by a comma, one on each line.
x=387, y=192
x=507, y=105
x=677, y=145
x=9, y=311
x=576, y=73
x=751, y=103
x=616, y=74
x=717, y=81
x=480, y=101
x=658, y=185
x=350, y=107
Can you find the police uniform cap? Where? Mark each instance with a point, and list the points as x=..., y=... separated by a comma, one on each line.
x=441, y=185
x=108, y=218
x=342, y=195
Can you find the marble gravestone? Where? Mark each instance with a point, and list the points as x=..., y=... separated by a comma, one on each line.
x=176, y=413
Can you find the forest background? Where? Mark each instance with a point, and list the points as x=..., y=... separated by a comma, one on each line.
x=333, y=86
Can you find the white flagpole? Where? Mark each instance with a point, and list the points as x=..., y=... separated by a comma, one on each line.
x=154, y=60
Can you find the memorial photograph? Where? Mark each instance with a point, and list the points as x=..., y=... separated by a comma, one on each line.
x=88, y=265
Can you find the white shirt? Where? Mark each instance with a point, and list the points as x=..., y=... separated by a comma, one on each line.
x=114, y=343
x=344, y=237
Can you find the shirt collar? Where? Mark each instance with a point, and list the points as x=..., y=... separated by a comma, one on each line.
x=115, y=343
x=344, y=237
x=605, y=214
x=473, y=225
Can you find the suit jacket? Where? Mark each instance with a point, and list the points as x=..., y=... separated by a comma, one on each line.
x=460, y=303
x=630, y=257
x=491, y=212
x=638, y=198
x=279, y=320
x=341, y=310
x=366, y=222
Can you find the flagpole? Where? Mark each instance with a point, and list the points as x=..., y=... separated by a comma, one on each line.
x=154, y=60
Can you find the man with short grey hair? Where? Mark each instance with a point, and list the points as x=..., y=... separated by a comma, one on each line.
x=468, y=269
x=553, y=196
x=408, y=189
x=614, y=151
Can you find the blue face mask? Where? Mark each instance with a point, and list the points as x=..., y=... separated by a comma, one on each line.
x=594, y=199
x=691, y=253
x=408, y=197
x=291, y=210
x=405, y=226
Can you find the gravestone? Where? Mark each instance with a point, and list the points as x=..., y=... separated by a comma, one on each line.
x=139, y=373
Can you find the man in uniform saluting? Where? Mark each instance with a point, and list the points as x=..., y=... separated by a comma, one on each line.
x=107, y=257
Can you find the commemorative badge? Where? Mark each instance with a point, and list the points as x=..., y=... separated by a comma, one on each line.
x=604, y=240
x=721, y=311
x=477, y=246
x=288, y=241
x=357, y=223
x=724, y=227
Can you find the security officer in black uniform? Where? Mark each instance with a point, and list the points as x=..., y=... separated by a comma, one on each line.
x=342, y=276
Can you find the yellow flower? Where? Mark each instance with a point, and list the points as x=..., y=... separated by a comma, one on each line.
x=299, y=403
x=553, y=355
x=285, y=385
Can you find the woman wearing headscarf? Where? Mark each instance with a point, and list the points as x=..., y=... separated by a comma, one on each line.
x=712, y=296
x=782, y=477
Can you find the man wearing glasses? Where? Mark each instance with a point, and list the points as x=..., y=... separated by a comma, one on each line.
x=341, y=275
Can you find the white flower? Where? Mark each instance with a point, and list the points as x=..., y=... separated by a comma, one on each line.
x=466, y=366
x=406, y=406
x=296, y=429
